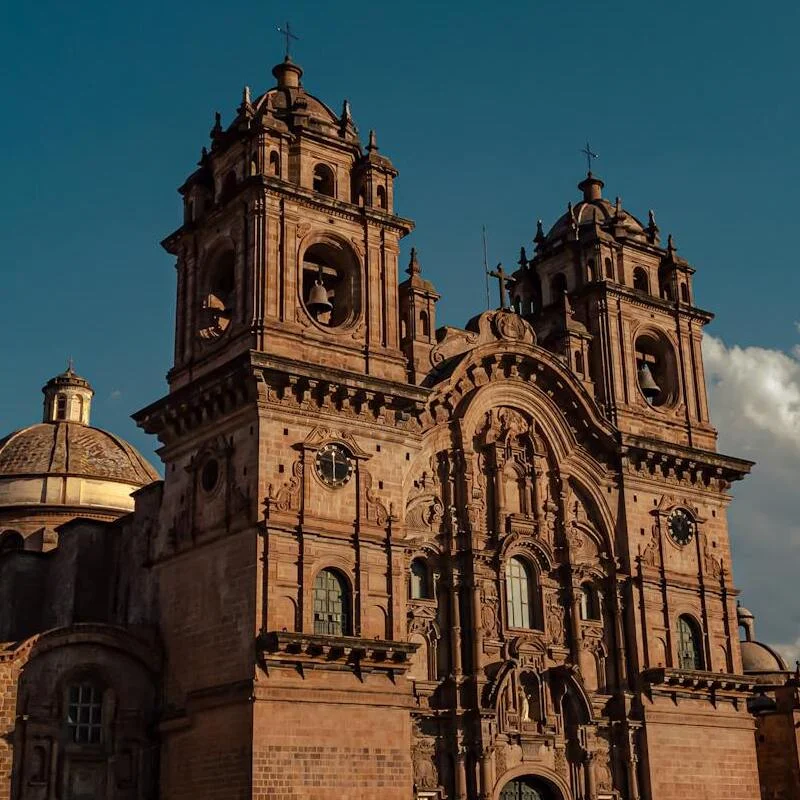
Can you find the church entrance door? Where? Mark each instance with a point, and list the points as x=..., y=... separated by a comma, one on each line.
x=526, y=788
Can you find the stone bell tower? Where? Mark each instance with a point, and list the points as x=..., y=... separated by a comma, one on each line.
x=289, y=244
x=281, y=585
x=619, y=307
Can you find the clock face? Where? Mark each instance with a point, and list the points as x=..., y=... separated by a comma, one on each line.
x=334, y=465
x=681, y=526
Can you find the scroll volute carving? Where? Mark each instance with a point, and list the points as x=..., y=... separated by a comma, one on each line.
x=424, y=513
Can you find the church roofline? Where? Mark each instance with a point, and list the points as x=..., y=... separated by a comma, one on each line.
x=405, y=226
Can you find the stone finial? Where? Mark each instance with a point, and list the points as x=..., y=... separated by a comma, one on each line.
x=246, y=95
x=539, y=238
x=413, y=264
x=671, y=249
x=373, y=142
x=523, y=258
x=618, y=207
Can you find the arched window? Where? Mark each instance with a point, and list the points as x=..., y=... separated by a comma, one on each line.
x=331, y=604
x=590, y=602
x=85, y=713
x=590, y=271
x=685, y=293
x=381, y=193
x=11, y=542
x=519, y=594
x=323, y=180
x=609, y=269
x=579, y=362
x=558, y=285
x=274, y=163
x=640, y=280
x=690, y=647
x=424, y=324
x=61, y=407
x=420, y=585
x=79, y=404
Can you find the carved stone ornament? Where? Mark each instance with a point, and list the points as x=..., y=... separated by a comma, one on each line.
x=287, y=498
x=555, y=619
x=491, y=326
x=423, y=759
x=376, y=511
x=510, y=325
x=490, y=609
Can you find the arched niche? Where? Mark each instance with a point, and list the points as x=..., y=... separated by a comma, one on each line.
x=330, y=270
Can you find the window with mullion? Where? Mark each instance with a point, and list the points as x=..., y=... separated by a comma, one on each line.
x=84, y=713
x=518, y=589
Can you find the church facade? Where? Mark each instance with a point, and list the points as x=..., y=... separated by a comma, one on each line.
x=387, y=560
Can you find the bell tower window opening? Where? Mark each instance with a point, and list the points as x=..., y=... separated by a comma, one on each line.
x=219, y=297
x=330, y=284
x=61, y=407
x=655, y=373
x=274, y=163
x=84, y=713
x=323, y=180
x=609, y=264
x=685, y=293
x=424, y=324
x=690, y=649
x=331, y=604
x=640, y=280
x=381, y=197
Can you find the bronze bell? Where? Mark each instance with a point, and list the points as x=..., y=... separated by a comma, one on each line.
x=318, y=302
x=650, y=389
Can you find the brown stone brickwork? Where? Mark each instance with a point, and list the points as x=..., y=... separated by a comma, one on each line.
x=386, y=560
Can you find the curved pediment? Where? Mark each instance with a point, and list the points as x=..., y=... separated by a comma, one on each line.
x=517, y=372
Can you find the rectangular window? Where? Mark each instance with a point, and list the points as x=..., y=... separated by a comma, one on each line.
x=84, y=714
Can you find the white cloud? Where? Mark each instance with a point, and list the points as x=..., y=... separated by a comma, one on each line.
x=116, y=394
x=790, y=652
x=755, y=404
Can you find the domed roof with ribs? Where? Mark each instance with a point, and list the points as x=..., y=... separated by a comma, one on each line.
x=72, y=448
x=594, y=210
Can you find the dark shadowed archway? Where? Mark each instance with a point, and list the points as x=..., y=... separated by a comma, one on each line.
x=528, y=787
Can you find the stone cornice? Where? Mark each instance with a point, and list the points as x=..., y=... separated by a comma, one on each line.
x=684, y=465
x=305, y=198
x=311, y=651
x=256, y=377
x=725, y=686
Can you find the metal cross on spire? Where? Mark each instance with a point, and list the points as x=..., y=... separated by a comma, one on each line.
x=587, y=151
x=286, y=32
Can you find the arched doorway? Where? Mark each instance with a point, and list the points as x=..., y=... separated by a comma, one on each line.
x=528, y=788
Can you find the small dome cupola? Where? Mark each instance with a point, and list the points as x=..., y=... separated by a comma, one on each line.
x=592, y=188
x=288, y=74
x=747, y=622
x=67, y=398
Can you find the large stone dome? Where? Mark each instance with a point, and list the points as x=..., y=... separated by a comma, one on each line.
x=63, y=467
x=72, y=448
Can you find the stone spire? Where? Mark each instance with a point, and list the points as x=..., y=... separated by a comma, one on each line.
x=67, y=397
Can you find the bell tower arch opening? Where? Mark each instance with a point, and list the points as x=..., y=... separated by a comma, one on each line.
x=331, y=284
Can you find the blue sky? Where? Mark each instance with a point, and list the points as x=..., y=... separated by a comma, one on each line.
x=484, y=108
